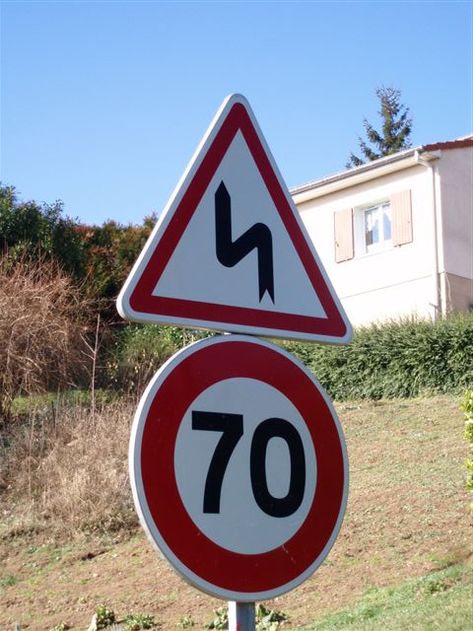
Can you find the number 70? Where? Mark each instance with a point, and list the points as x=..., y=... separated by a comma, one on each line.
x=231, y=426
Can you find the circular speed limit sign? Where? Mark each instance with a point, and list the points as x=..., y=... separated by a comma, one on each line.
x=239, y=468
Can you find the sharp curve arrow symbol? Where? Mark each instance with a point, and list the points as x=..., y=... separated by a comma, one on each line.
x=229, y=252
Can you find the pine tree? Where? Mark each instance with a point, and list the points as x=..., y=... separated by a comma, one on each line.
x=396, y=129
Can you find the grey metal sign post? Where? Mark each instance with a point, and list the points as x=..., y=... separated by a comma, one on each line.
x=241, y=616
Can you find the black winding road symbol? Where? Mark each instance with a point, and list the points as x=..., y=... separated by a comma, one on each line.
x=229, y=252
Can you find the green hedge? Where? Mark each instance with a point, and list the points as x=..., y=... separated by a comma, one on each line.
x=467, y=407
x=397, y=359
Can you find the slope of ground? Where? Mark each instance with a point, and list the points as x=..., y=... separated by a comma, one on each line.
x=407, y=517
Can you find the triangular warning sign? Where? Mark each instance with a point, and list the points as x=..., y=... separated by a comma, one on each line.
x=230, y=252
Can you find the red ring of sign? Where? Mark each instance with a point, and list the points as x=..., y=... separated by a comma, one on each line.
x=244, y=573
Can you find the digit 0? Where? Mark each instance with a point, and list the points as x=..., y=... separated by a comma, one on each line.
x=277, y=506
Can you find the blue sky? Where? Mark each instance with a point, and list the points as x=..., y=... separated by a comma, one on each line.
x=104, y=103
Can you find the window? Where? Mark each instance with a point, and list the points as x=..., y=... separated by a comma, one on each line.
x=366, y=229
x=376, y=226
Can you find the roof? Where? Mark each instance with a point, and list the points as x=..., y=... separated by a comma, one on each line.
x=394, y=162
x=459, y=143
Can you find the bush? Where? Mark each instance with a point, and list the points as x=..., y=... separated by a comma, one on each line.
x=110, y=251
x=100, y=256
x=397, y=359
x=41, y=330
x=39, y=230
x=467, y=407
x=141, y=349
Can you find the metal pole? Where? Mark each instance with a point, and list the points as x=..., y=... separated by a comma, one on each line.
x=241, y=616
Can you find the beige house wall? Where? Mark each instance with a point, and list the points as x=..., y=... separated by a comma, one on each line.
x=458, y=292
x=392, y=283
x=429, y=276
x=455, y=185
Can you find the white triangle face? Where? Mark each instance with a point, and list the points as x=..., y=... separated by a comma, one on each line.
x=230, y=252
x=194, y=271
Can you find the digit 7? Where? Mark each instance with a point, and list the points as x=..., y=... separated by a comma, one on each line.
x=231, y=426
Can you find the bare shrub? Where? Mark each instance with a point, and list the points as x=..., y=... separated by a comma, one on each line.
x=67, y=472
x=41, y=329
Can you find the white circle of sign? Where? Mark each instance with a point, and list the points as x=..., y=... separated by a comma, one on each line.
x=241, y=525
x=239, y=468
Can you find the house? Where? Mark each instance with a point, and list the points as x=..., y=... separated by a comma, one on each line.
x=396, y=235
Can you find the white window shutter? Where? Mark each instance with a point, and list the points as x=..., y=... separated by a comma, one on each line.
x=401, y=217
x=344, y=243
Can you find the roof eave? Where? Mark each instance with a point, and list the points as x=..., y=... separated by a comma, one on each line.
x=365, y=172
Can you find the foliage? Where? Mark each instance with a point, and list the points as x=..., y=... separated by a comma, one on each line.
x=111, y=250
x=396, y=359
x=269, y=618
x=186, y=622
x=467, y=407
x=102, y=256
x=395, y=133
x=141, y=349
x=41, y=329
x=104, y=617
x=39, y=231
x=265, y=618
x=220, y=620
x=136, y=622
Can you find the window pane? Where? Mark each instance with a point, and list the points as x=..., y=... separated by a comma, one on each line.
x=371, y=227
x=387, y=222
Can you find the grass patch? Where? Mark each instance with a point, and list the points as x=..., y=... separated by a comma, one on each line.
x=64, y=471
x=8, y=581
x=50, y=402
x=441, y=600
x=66, y=519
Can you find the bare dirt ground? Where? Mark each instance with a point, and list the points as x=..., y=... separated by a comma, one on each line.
x=408, y=514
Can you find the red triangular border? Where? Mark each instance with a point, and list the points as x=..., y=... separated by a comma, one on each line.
x=142, y=299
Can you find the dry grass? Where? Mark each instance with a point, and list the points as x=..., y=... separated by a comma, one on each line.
x=41, y=329
x=407, y=519
x=66, y=471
